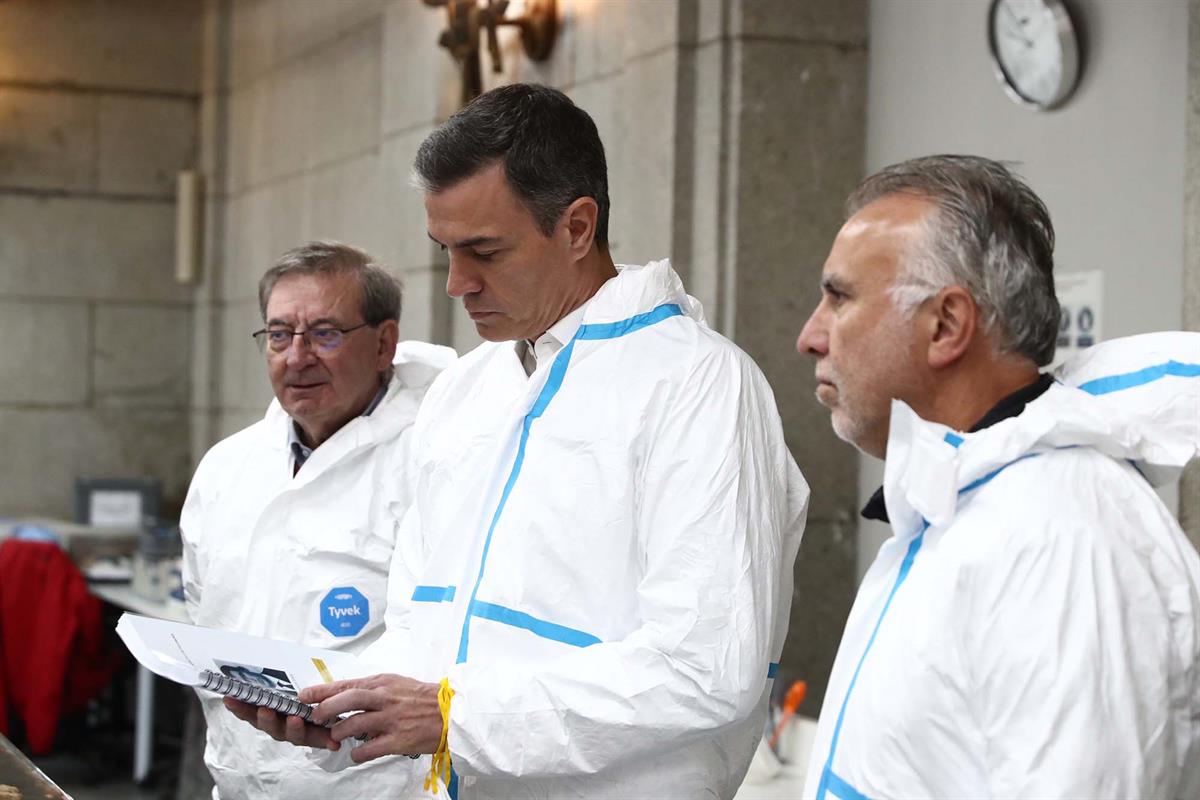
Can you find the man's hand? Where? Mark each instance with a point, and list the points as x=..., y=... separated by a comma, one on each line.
x=398, y=715
x=283, y=728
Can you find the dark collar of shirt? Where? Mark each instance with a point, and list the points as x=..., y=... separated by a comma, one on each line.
x=1009, y=406
x=301, y=452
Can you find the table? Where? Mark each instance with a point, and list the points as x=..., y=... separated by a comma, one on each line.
x=122, y=596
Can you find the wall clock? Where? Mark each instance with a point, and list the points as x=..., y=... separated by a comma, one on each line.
x=1035, y=51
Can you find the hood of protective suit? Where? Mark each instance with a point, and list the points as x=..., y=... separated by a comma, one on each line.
x=1135, y=399
x=415, y=366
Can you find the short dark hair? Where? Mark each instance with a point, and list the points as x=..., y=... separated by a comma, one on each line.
x=991, y=235
x=381, y=294
x=550, y=149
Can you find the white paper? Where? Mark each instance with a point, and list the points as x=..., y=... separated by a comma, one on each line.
x=182, y=652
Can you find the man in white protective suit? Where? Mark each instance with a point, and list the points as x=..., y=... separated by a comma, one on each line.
x=592, y=589
x=1032, y=628
x=288, y=526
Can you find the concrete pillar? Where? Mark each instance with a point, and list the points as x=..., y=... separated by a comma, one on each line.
x=770, y=138
x=1189, y=486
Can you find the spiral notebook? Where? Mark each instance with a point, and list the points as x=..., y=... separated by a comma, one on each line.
x=263, y=672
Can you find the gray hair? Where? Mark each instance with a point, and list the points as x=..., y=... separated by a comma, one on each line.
x=991, y=235
x=381, y=293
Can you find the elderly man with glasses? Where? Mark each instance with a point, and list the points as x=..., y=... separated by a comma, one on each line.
x=289, y=525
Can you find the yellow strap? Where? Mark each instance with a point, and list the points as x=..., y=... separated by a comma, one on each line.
x=439, y=768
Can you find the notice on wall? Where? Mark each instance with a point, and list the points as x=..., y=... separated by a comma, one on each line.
x=1081, y=298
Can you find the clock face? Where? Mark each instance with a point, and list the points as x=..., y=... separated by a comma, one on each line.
x=1033, y=45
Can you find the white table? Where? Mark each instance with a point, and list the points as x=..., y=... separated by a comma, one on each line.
x=122, y=596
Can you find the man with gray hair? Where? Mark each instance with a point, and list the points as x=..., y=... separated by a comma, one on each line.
x=290, y=524
x=1032, y=628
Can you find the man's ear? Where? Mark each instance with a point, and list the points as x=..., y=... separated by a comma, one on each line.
x=953, y=319
x=389, y=336
x=580, y=222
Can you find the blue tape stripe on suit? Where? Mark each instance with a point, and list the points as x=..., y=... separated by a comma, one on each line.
x=905, y=566
x=1115, y=383
x=613, y=330
x=836, y=784
x=519, y=619
x=553, y=383
x=433, y=594
x=772, y=669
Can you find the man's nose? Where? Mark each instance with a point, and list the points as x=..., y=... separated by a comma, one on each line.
x=814, y=337
x=300, y=354
x=461, y=279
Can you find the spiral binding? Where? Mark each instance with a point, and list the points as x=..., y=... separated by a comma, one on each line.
x=255, y=695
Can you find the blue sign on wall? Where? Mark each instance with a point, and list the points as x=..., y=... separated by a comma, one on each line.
x=344, y=611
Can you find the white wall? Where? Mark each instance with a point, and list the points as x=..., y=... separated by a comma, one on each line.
x=1109, y=164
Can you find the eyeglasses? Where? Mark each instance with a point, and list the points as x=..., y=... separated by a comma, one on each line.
x=323, y=339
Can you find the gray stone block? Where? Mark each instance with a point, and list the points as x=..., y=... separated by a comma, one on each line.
x=406, y=243
x=47, y=449
x=114, y=251
x=651, y=27
x=827, y=21
x=137, y=356
x=700, y=182
x=601, y=33
x=292, y=130
x=132, y=44
x=47, y=139
x=242, y=377
x=231, y=421
x=303, y=25
x=144, y=143
x=262, y=224
x=346, y=81
x=415, y=69
x=249, y=137
x=711, y=22
x=252, y=47
x=427, y=309
x=344, y=204
x=641, y=161
x=46, y=347
x=204, y=427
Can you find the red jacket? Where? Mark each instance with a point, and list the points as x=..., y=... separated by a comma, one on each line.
x=53, y=653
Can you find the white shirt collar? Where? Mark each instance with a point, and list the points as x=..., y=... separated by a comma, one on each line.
x=550, y=342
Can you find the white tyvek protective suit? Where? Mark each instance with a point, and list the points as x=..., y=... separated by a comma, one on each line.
x=267, y=554
x=1032, y=629
x=600, y=556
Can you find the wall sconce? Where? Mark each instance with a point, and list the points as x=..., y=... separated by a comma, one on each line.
x=469, y=20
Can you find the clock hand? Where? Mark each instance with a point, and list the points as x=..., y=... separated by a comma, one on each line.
x=1021, y=21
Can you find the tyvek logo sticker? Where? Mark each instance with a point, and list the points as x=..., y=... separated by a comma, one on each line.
x=344, y=611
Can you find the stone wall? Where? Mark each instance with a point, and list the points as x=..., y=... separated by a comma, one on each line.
x=1189, y=485
x=96, y=118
